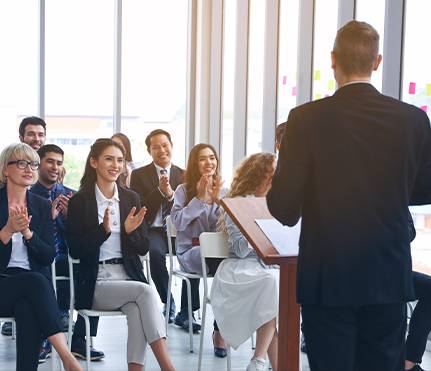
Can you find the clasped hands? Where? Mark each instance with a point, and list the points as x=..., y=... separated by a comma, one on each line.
x=19, y=221
x=208, y=188
x=132, y=221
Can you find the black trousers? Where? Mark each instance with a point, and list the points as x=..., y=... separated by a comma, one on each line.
x=29, y=297
x=63, y=297
x=420, y=322
x=355, y=338
x=158, y=250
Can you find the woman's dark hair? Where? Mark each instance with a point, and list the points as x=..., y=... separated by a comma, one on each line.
x=89, y=177
x=126, y=143
x=192, y=172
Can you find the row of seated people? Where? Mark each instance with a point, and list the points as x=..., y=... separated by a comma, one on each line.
x=100, y=229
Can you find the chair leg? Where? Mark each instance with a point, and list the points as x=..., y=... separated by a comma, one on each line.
x=229, y=360
x=201, y=345
x=13, y=330
x=87, y=342
x=168, y=303
x=189, y=304
x=69, y=330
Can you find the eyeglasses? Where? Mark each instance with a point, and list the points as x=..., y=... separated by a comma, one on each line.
x=22, y=164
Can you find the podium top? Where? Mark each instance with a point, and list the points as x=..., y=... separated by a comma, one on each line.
x=244, y=211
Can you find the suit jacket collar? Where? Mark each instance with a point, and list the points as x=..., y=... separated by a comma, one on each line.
x=355, y=89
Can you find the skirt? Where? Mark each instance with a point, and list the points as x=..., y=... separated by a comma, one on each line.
x=244, y=296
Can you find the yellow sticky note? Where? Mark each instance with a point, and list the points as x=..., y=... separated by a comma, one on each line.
x=318, y=96
x=331, y=84
x=317, y=75
x=429, y=89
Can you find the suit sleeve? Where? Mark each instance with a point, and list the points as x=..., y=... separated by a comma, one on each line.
x=286, y=196
x=41, y=246
x=81, y=237
x=421, y=194
x=137, y=240
x=150, y=196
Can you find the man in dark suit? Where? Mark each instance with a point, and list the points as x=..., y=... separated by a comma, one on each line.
x=155, y=183
x=349, y=165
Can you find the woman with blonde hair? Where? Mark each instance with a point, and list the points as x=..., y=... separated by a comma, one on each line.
x=244, y=293
x=26, y=251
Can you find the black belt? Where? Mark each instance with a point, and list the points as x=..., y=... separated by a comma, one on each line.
x=112, y=261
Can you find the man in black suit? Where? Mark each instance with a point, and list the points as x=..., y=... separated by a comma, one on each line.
x=349, y=165
x=155, y=183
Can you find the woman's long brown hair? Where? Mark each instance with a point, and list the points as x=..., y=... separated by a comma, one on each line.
x=192, y=172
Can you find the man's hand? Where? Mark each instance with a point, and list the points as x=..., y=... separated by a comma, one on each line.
x=165, y=187
x=134, y=221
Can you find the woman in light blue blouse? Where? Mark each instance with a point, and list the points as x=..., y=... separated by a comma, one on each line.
x=196, y=210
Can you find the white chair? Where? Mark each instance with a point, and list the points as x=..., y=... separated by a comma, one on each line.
x=85, y=313
x=213, y=245
x=146, y=263
x=171, y=232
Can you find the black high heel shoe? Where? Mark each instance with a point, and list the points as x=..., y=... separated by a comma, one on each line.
x=219, y=352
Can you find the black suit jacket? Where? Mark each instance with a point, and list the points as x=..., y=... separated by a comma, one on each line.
x=350, y=165
x=41, y=247
x=145, y=181
x=85, y=235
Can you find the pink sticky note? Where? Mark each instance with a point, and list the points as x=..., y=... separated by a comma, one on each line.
x=294, y=91
x=424, y=108
x=284, y=80
x=412, y=88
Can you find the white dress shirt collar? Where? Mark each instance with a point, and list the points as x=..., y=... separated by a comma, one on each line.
x=100, y=196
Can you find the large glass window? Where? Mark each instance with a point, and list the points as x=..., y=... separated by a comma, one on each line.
x=325, y=29
x=79, y=77
x=287, y=58
x=19, y=65
x=417, y=56
x=373, y=12
x=229, y=42
x=154, y=73
x=255, y=76
x=416, y=89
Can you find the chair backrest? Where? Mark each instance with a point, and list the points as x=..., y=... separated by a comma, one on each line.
x=214, y=245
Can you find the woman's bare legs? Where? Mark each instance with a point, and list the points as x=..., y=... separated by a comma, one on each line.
x=135, y=367
x=265, y=336
x=58, y=341
x=160, y=351
x=273, y=351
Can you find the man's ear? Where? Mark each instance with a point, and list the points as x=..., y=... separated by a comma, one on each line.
x=377, y=62
x=333, y=60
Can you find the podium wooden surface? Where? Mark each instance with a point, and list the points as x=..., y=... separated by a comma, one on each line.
x=244, y=211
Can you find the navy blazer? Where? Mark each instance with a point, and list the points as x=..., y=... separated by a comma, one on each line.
x=350, y=165
x=85, y=235
x=41, y=247
x=145, y=181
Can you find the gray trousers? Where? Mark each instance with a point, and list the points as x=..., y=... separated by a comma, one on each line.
x=138, y=301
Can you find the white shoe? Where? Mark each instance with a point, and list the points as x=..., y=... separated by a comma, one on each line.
x=256, y=365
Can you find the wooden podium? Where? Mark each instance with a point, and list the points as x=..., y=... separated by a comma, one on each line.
x=244, y=211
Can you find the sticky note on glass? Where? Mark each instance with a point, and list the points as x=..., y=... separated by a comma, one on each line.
x=284, y=80
x=424, y=108
x=412, y=88
x=317, y=75
x=429, y=89
x=331, y=84
x=294, y=91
